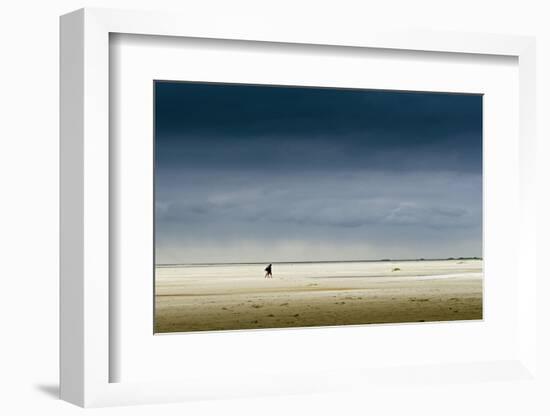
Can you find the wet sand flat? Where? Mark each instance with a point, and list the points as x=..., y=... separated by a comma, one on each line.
x=226, y=297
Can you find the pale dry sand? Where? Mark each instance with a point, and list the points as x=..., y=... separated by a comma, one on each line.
x=224, y=297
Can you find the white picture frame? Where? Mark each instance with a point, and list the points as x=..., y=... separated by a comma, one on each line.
x=85, y=202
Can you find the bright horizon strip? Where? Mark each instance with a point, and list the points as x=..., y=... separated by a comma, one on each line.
x=322, y=261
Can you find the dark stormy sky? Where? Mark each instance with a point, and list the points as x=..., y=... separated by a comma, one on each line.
x=265, y=174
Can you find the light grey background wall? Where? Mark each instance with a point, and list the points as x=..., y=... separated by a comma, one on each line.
x=29, y=183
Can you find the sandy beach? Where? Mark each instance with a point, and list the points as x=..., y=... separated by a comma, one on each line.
x=237, y=296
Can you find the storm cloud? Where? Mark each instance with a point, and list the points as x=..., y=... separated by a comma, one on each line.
x=261, y=173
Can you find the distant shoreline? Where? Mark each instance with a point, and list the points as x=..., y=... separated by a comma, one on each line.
x=311, y=262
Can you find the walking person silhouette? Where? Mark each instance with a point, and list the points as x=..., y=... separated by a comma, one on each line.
x=268, y=271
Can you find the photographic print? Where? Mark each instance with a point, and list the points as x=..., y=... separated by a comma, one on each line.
x=286, y=206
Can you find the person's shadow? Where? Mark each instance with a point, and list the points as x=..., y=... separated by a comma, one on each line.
x=51, y=390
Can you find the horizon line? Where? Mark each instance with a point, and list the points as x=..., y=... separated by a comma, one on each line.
x=322, y=261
